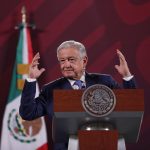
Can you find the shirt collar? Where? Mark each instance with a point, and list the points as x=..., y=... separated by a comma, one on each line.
x=73, y=81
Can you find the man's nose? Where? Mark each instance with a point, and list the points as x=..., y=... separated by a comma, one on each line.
x=67, y=63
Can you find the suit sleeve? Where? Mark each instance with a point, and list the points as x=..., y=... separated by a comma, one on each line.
x=131, y=84
x=110, y=82
x=31, y=107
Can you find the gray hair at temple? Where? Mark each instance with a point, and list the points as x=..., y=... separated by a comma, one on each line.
x=73, y=44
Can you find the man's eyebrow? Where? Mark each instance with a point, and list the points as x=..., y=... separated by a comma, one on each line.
x=67, y=57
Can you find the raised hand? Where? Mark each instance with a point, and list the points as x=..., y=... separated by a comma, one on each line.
x=34, y=71
x=122, y=68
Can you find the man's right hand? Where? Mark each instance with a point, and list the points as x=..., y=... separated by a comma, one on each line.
x=34, y=71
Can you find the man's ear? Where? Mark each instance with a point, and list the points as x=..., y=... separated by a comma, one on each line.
x=85, y=61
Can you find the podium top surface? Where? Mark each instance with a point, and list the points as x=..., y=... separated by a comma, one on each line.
x=127, y=100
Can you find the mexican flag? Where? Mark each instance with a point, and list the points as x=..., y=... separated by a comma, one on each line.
x=18, y=134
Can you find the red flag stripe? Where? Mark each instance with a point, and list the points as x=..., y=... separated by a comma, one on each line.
x=30, y=50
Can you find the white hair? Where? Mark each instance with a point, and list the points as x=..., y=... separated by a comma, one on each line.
x=73, y=44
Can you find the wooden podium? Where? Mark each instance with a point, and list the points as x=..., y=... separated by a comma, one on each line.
x=70, y=117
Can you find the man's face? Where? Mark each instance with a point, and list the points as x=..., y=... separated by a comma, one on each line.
x=71, y=63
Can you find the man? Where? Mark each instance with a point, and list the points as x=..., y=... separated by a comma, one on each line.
x=73, y=59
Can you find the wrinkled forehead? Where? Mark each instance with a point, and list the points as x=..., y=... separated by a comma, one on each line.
x=68, y=47
x=68, y=52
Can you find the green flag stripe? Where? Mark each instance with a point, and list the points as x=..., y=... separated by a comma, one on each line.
x=14, y=92
x=20, y=47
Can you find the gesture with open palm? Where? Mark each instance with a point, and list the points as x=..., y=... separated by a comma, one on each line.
x=122, y=68
x=34, y=71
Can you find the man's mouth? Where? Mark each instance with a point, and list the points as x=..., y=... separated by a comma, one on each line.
x=68, y=69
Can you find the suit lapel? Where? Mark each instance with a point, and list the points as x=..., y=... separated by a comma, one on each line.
x=66, y=84
x=88, y=80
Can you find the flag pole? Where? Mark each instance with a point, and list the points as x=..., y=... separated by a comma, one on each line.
x=23, y=12
x=24, y=20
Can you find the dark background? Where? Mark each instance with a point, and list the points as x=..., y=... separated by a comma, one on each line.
x=101, y=25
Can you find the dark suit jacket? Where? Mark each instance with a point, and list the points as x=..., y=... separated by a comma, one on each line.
x=31, y=108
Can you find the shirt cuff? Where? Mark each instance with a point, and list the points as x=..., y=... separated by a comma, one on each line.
x=128, y=78
x=30, y=79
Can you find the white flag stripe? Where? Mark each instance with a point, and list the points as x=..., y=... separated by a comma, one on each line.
x=25, y=47
x=25, y=54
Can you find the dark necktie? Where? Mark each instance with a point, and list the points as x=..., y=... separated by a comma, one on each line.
x=78, y=84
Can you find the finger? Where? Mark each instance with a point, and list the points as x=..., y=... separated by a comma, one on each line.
x=119, y=53
x=36, y=57
x=35, y=60
x=34, y=64
x=121, y=57
x=117, y=67
x=42, y=70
